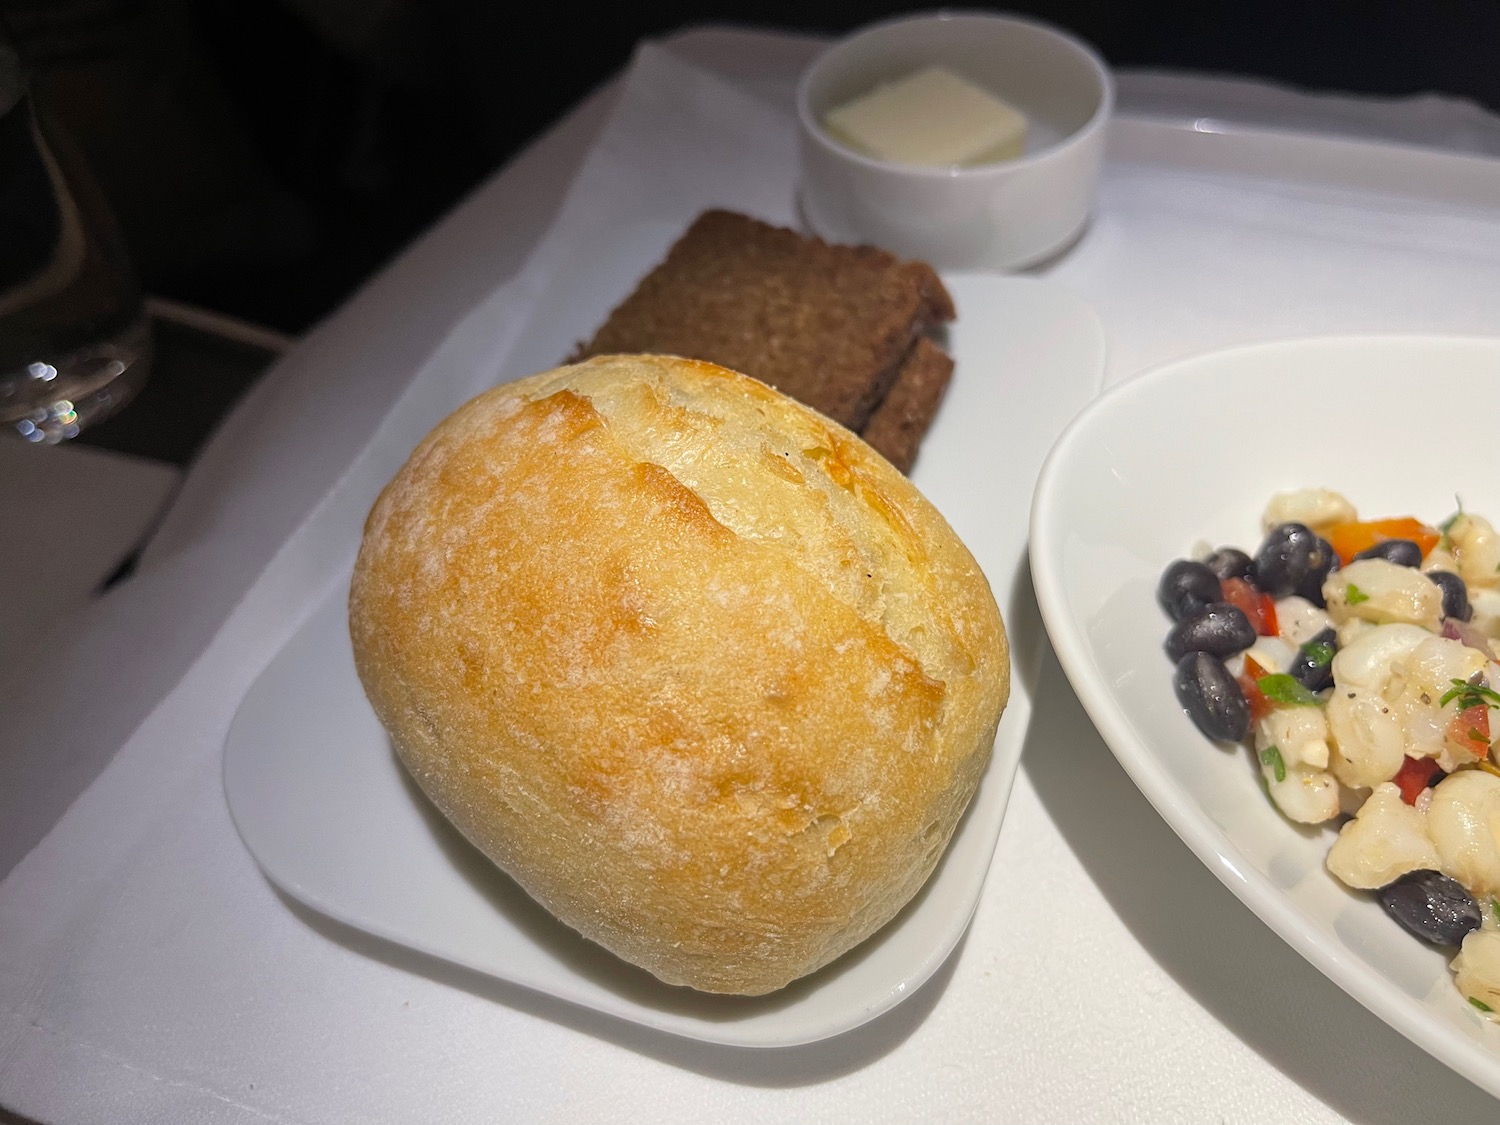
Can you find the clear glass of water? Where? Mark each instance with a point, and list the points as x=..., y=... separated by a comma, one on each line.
x=75, y=340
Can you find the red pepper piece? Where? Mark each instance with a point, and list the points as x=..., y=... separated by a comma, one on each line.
x=1415, y=775
x=1470, y=730
x=1259, y=608
x=1260, y=706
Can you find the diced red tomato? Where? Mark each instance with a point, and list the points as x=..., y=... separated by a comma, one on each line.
x=1470, y=730
x=1349, y=539
x=1258, y=607
x=1415, y=775
x=1260, y=706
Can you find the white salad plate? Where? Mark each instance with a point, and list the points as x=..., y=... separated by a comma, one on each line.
x=333, y=820
x=1188, y=453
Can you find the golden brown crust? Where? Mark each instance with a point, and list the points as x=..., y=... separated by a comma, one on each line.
x=696, y=667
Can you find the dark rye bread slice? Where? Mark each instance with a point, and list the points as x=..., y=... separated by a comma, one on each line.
x=900, y=421
x=828, y=325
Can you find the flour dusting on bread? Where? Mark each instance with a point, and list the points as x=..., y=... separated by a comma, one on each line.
x=695, y=666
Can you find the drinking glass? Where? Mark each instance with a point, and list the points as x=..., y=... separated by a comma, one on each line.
x=75, y=341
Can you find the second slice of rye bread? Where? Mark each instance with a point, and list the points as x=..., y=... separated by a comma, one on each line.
x=900, y=421
x=832, y=326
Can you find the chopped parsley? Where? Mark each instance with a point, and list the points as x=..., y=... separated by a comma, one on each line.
x=1319, y=653
x=1468, y=695
x=1355, y=595
x=1286, y=690
x=1445, y=541
x=1480, y=1004
x=1447, y=525
x=1271, y=756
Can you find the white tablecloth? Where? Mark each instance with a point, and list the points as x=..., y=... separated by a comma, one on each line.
x=148, y=972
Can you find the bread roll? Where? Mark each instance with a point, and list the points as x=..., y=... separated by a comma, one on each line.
x=693, y=664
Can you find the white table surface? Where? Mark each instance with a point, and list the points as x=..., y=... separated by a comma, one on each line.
x=69, y=515
x=1106, y=977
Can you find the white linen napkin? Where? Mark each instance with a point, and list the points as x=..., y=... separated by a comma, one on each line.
x=71, y=514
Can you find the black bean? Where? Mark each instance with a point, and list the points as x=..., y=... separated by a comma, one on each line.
x=1402, y=552
x=1187, y=587
x=1324, y=562
x=1455, y=594
x=1432, y=906
x=1220, y=628
x=1211, y=698
x=1230, y=562
x=1292, y=560
x=1313, y=665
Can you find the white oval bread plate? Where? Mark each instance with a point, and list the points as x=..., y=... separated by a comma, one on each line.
x=325, y=808
x=1191, y=452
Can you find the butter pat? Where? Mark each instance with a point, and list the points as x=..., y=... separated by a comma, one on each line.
x=931, y=117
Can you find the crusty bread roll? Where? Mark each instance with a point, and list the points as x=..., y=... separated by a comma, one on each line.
x=694, y=665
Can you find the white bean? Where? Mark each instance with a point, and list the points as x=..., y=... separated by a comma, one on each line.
x=1365, y=662
x=1486, y=606
x=1382, y=592
x=1272, y=653
x=1367, y=740
x=1315, y=508
x=1351, y=630
x=1431, y=667
x=1463, y=822
x=1299, y=621
x=1300, y=734
x=1305, y=795
x=1385, y=840
x=1477, y=968
x=1476, y=545
x=1426, y=674
x=1439, y=558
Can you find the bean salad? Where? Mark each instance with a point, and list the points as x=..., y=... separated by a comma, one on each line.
x=1359, y=662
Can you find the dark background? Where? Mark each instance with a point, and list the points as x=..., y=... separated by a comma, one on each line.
x=265, y=156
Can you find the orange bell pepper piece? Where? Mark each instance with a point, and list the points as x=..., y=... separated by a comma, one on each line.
x=1349, y=539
